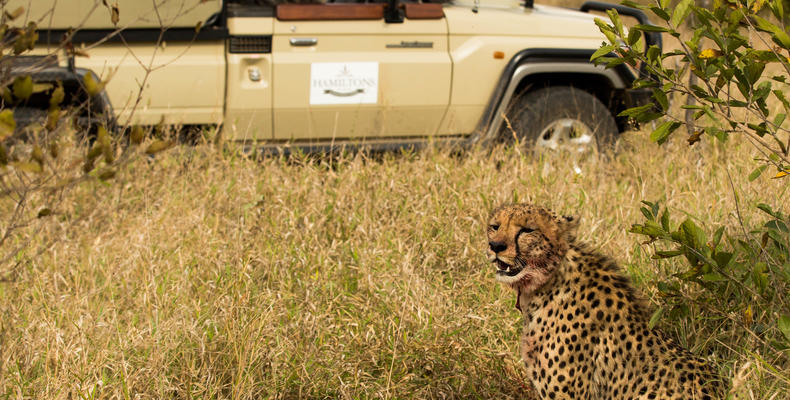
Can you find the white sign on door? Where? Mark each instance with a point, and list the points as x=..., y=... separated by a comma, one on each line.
x=344, y=83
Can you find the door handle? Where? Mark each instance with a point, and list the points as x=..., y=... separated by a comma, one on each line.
x=303, y=41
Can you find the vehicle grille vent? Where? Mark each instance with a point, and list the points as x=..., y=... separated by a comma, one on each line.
x=250, y=44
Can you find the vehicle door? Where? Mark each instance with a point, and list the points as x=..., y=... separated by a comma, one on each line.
x=344, y=71
x=248, y=107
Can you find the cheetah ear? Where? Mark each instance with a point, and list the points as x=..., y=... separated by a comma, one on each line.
x=569, y=224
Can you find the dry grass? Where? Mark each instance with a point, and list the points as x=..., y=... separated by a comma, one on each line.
x=207, y=276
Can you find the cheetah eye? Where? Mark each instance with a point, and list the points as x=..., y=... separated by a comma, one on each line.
x=526, y=230
x=493, y=227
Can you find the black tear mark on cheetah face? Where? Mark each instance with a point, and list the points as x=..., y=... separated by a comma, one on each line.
x=526, y=243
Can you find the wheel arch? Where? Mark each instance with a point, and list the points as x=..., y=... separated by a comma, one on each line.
x=98, y=107
x=532, y=69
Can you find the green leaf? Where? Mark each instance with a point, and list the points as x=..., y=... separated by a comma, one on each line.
x=631, y=4
x=682, y=11
x=137, y=134
x=648, y=215
x=27, y=166
x=158, y=146
x=650, y=28
x=7, y=124
x=704, y=16
x=778, y=9
x=618, y=25
x=613, y=61
x=607, y=30
x=760, y=276
x=602, y=51
x=717, y=236
x=660, y=13
x=654, y=207
x=781, y=96
x=713, y=277
x=764, y=25
x=756, y=173
x=661, y=98
x=661, y=134
x=722, y=259
x=648, y=229
x=693, y=235
x=92, y=87
x=653, y=53
x=776, y=225
x=779, y=119
x=633, y=36
x=665, y=220
x=784, y=326
x=57, y=97
x=768, y=210
x=655, y=318
x=22, y=87
x=690, y=274
x=764, y=55
x=635, y=111
x=753, y=71
x=660, y=254
x=779, y=35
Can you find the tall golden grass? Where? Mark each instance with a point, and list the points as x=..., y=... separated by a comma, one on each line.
x=206, y=275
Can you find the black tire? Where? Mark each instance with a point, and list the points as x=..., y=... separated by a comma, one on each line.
x=538, y=110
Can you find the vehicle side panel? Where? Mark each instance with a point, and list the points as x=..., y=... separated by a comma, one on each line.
x=91, y=14
x=178, y=83
x=249, y=93
x=413, y=83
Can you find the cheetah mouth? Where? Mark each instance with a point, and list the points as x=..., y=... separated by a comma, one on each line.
x=505, y=269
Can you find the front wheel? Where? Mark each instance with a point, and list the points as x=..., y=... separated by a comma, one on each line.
x=561, y=118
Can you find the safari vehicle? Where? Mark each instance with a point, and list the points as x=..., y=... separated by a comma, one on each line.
x=379, y=75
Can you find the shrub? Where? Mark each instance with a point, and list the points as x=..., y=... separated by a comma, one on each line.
x=738, y=276
x=41, y=155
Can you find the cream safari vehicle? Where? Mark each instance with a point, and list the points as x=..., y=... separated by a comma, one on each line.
x=381, y=75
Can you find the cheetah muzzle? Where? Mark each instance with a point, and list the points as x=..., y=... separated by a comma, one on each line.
x=586, y=333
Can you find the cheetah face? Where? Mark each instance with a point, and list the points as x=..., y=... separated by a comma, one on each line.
x=526, y=243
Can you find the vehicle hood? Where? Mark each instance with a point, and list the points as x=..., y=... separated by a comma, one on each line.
x=511, y=19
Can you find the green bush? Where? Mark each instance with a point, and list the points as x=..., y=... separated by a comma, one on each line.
x=737, y=278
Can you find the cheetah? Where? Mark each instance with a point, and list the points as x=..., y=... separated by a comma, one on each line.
x=585, y=332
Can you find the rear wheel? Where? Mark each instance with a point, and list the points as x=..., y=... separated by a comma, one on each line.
x=561, y=118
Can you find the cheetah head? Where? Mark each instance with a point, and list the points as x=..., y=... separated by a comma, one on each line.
x=526, y=244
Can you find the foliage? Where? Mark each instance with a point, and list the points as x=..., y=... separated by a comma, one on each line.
x=206, y=275
x=745, y=277
x=34, y=169
x=739, y=55
x=735, y=93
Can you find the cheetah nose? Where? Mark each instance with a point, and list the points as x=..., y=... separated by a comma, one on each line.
x=496, y=247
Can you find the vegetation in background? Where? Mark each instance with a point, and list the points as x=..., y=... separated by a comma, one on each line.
x=206, y=275
x=736, y=276
x=210, y=275
x=34, y=177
